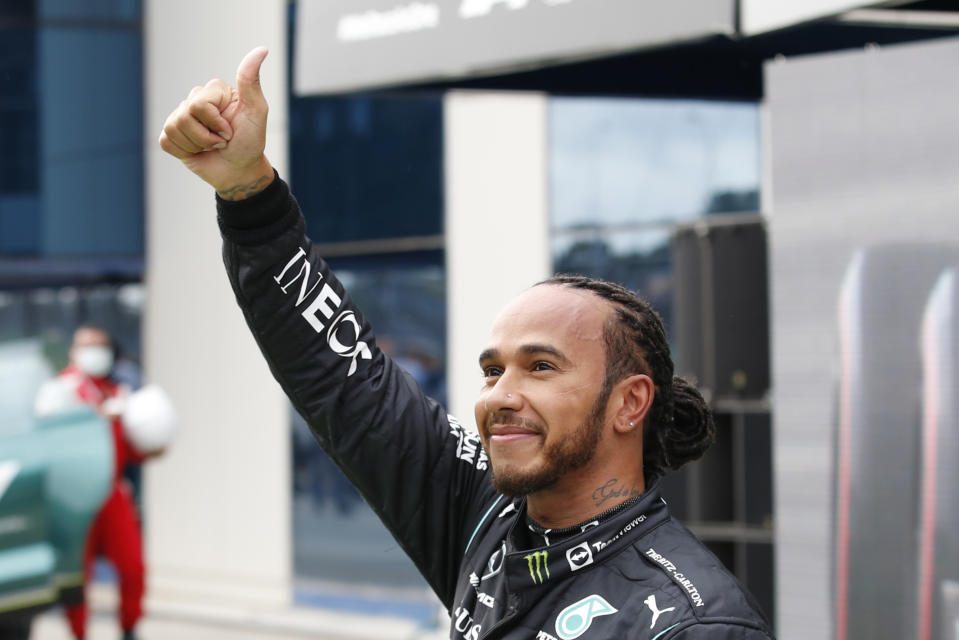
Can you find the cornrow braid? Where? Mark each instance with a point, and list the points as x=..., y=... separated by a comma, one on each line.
x=679, y=427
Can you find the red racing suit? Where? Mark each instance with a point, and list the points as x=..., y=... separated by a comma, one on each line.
x=115, y=532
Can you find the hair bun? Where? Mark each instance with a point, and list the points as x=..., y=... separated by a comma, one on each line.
x=687, y=435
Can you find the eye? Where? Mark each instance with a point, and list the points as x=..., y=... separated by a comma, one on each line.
x=542, y=365
x=492, y=372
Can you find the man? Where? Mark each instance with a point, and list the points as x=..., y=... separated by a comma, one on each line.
x=548, y=523
x=115, y=532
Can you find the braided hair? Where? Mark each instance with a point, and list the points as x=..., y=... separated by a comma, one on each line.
x=679, y=427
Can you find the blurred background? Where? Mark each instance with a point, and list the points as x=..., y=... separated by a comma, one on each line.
x=780, y=180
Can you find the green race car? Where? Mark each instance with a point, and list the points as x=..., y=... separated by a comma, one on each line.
x=55, y=473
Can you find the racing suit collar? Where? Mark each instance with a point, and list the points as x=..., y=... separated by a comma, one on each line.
x=528, y=569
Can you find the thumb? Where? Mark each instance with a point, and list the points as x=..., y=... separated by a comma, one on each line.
x=248, y=76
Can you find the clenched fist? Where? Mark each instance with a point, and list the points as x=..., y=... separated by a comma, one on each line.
x=219, y=132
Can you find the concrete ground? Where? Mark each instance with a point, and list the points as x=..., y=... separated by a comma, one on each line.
x=167, y=622
x=53, y=627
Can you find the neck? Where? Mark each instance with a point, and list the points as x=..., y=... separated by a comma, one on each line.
x=581, y=495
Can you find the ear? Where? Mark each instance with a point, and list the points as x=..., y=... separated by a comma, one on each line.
x=636, y=395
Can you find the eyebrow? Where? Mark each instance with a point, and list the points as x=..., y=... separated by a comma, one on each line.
x=526, y=349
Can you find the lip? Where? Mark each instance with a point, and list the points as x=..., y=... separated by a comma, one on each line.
x=505, y=433
x=511, y=437
x=510, y=429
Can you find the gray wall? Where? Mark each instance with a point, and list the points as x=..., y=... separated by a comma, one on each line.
x=862, y=148
x=218, y=502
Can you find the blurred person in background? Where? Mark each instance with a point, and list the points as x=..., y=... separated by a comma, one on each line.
x=548, y=522
x=115, y=533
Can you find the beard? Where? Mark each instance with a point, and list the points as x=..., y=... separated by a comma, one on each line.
x=568, y=454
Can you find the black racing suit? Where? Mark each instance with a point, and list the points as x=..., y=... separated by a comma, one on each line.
x=639, y=574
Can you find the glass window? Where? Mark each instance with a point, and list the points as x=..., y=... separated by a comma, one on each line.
x=18, y=113
x=92, y=172
x=638, y=259
x=71, y=121
x=20, y=159
x=90, y=9
x=617, y=162
x=623, y=172
x=368, y=167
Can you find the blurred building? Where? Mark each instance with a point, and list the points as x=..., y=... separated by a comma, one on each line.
x=728, y=159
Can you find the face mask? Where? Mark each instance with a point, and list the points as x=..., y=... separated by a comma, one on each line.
x=95, y=360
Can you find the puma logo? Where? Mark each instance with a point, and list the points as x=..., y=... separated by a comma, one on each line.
x=651, y=603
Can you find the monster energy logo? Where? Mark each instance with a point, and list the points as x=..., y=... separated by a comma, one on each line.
x=534, y=560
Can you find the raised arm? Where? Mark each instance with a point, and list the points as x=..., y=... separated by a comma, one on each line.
x=422, y=473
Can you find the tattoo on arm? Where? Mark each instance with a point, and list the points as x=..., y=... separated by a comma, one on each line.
x=244, y=191
x=614, y=489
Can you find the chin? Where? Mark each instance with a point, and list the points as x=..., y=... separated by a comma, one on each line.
x=518, y=483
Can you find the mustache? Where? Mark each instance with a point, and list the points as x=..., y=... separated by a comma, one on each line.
x=508, y=418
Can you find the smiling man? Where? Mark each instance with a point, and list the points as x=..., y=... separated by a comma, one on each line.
x=547, y=523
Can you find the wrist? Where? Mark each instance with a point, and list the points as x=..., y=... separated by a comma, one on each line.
x=251, y=181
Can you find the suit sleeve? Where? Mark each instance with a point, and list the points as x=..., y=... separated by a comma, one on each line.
x=422, y=473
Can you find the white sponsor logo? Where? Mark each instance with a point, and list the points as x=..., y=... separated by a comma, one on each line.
x=415, y=16
x=602, y=545
x=651, y=603
x=542, y=635
x=493, y=566
x=579, y=556
x=510, y=508
x=468, y=448
x=574, y=620
x=486, y=599
x=354, y=347
x=496, y=561
x=680, y=579
x=478, y=8
x=324, y=305
x=463, y=622
x=418, y=16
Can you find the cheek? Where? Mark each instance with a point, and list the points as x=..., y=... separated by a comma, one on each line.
x=573, y=402
x=579, y=393
x=479, y=414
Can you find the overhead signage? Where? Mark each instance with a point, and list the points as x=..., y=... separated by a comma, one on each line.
x=758, y=16
x=349, y=45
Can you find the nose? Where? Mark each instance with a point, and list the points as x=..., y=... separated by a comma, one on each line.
x=501, y=398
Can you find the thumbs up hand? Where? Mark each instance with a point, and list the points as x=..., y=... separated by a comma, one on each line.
x=219, y=132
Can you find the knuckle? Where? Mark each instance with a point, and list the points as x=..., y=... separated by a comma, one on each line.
x=196, y=107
